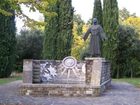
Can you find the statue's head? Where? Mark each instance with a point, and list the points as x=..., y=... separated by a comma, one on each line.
x=95, y=21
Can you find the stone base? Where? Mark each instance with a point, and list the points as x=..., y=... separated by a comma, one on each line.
x=66, y=90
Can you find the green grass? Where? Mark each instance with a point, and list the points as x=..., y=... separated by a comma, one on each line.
x=8, y=80
x=133, y=81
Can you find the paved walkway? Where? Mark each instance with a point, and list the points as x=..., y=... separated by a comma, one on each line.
x=120, y=94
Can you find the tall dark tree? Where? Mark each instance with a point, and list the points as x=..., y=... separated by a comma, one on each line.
x=110, y=24
x=7, y=40
x=51, y=33
x=58, y=33
x=97, y=11
x=64, y=39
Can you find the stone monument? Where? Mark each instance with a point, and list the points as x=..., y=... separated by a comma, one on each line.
x=69, y=77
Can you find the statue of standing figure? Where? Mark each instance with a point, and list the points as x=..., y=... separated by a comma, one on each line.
x=97, y=36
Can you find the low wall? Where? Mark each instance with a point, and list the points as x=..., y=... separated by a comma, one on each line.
x=95, y=78
x=68, y=90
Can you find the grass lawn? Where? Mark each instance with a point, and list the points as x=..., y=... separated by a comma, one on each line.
x=10, y=79
x=134, y=81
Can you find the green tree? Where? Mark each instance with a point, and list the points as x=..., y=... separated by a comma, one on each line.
x=65, y=37
x=7, y=40
x=125, y=52
x=79, y=23
x=78, y=43
x=110, y=24
x=33, y=5
x=51, y=33
x=97, y=11
x=58, y=35
x=136, y=59
x=124, y=14
x=133, y=22
x=29, y=46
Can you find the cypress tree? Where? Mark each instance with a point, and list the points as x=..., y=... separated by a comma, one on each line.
x=64, y=39
x=51, y=33
x=97, y=11
x=110, y=24
x=7, y=40
x=58, y=32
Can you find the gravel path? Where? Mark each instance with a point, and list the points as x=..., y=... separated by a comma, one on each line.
x=119, y=94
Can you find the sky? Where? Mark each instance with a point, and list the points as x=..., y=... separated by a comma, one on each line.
x=85, y=9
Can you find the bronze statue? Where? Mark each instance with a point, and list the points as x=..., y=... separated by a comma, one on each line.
x=97, y=36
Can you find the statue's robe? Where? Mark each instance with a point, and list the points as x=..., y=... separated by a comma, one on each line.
x=97, y=36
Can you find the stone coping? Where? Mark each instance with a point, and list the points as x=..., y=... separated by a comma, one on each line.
x=94, y=58
x=97, y=58
x=49, y=60
x=58, y=85
x=63, y=85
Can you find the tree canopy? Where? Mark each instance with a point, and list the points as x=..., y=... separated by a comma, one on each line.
x=7, y=40
x=97, y=11
x=33, y=5
x=58, y=31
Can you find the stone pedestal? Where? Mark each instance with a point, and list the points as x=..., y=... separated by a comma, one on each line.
x=27, y=71
x=94, y=67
